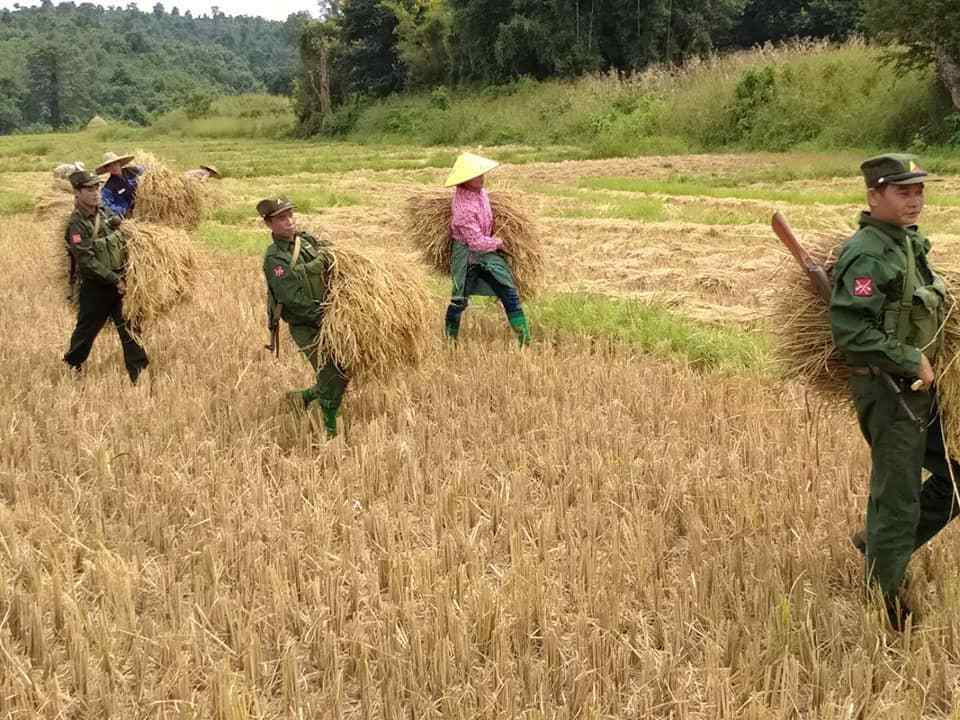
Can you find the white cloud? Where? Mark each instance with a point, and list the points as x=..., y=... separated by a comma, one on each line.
x=272, y=10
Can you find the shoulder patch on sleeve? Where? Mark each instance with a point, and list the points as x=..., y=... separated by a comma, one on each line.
x=278, y=271
x=75, y=238
x=863, y=287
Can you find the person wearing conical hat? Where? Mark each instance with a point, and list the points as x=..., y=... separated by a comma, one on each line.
x=119, y=192
x=296, y=267
x=203, y=173
x=477, y=266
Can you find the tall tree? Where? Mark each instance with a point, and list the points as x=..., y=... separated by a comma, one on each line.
x=928, y=31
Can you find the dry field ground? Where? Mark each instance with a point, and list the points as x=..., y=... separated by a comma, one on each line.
x=578, y=530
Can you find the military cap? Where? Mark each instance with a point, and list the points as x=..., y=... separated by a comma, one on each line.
x=84, y=178
x=273, y=206
x=892, y=169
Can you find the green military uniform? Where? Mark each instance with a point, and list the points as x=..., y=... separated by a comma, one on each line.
x=887, y=308
x=296, y=271
x=98, y=257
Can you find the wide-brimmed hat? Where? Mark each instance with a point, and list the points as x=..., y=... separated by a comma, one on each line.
x=469, y=166
x=212, y=169
x=109, y=158
x=893, y=169
x=273, y=206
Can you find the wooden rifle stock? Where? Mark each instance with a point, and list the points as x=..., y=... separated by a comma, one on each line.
x=816, y=274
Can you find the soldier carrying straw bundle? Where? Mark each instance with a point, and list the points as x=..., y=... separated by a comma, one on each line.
x=477, y=265
x=98, y=259
x=296, y=267
x=887, y=314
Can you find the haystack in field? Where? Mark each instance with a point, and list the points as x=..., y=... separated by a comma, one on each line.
x=162, y=270
x=428, y=226
x=805, y=349
x=804, y=345
x=376, y=320
x=165, y=197
x=96, y=122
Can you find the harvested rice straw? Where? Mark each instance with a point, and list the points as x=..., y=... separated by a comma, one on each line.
x=56, y=201
x=162, y=270
x=948, y=363
x=165, y=197
x=804, y=344
x=428, y=226
x=376, y=318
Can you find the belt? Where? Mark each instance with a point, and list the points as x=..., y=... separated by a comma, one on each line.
x=860, y=371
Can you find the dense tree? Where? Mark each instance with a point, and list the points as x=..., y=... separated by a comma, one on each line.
x=71, y=61
x=927, y=30
x=772, y=20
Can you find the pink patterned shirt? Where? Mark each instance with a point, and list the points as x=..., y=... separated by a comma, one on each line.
x=472, y=221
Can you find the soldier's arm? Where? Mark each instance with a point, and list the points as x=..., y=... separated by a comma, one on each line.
x=289, y=290
x=856, y=317
x=81, y=247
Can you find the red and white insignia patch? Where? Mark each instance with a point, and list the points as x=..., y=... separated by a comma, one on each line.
x=278, y=271
x=76, y=239
x=863, y=287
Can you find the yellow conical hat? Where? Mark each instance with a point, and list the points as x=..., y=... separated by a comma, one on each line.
x=467, y=167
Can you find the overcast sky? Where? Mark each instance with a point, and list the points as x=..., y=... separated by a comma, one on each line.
x=272, y=9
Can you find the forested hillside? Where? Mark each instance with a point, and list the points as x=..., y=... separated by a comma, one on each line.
x=61, y=65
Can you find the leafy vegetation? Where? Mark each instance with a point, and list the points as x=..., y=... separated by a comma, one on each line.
x=60, y=65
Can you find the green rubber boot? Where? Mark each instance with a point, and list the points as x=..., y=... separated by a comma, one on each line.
x=518, y=321
x=330, y=422
x=299, y=399
x=451, y=330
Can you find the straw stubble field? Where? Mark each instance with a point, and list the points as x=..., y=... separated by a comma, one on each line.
x=576, y=530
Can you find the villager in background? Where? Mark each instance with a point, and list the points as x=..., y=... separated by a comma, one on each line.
x=119, y=192
x=203, y=173
x=478, y=267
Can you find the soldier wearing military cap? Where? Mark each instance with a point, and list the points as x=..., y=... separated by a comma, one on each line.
x=296, y=267
x=887, y=313
x=98, y=257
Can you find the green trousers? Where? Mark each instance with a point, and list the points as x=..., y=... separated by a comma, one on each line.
x=903, y=512
x=331, y=382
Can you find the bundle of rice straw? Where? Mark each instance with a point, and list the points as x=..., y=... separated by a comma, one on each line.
x=162, y=270
x=376, y=318
x=948, y=364
x=804, y=344
x=165, y=197
x=428, y=225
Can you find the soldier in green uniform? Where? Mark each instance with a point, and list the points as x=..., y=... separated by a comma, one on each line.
x=296, y=268
x=886, y=312
x=98, y=256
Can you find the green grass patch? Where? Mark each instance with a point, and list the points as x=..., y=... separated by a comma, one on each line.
x=653, y=329
x=714, y=215
x=699, y=188
x=12, y=203
x=222, y=237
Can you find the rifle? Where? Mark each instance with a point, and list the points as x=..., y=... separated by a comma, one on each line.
x=273, y=326
x=821, y=286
